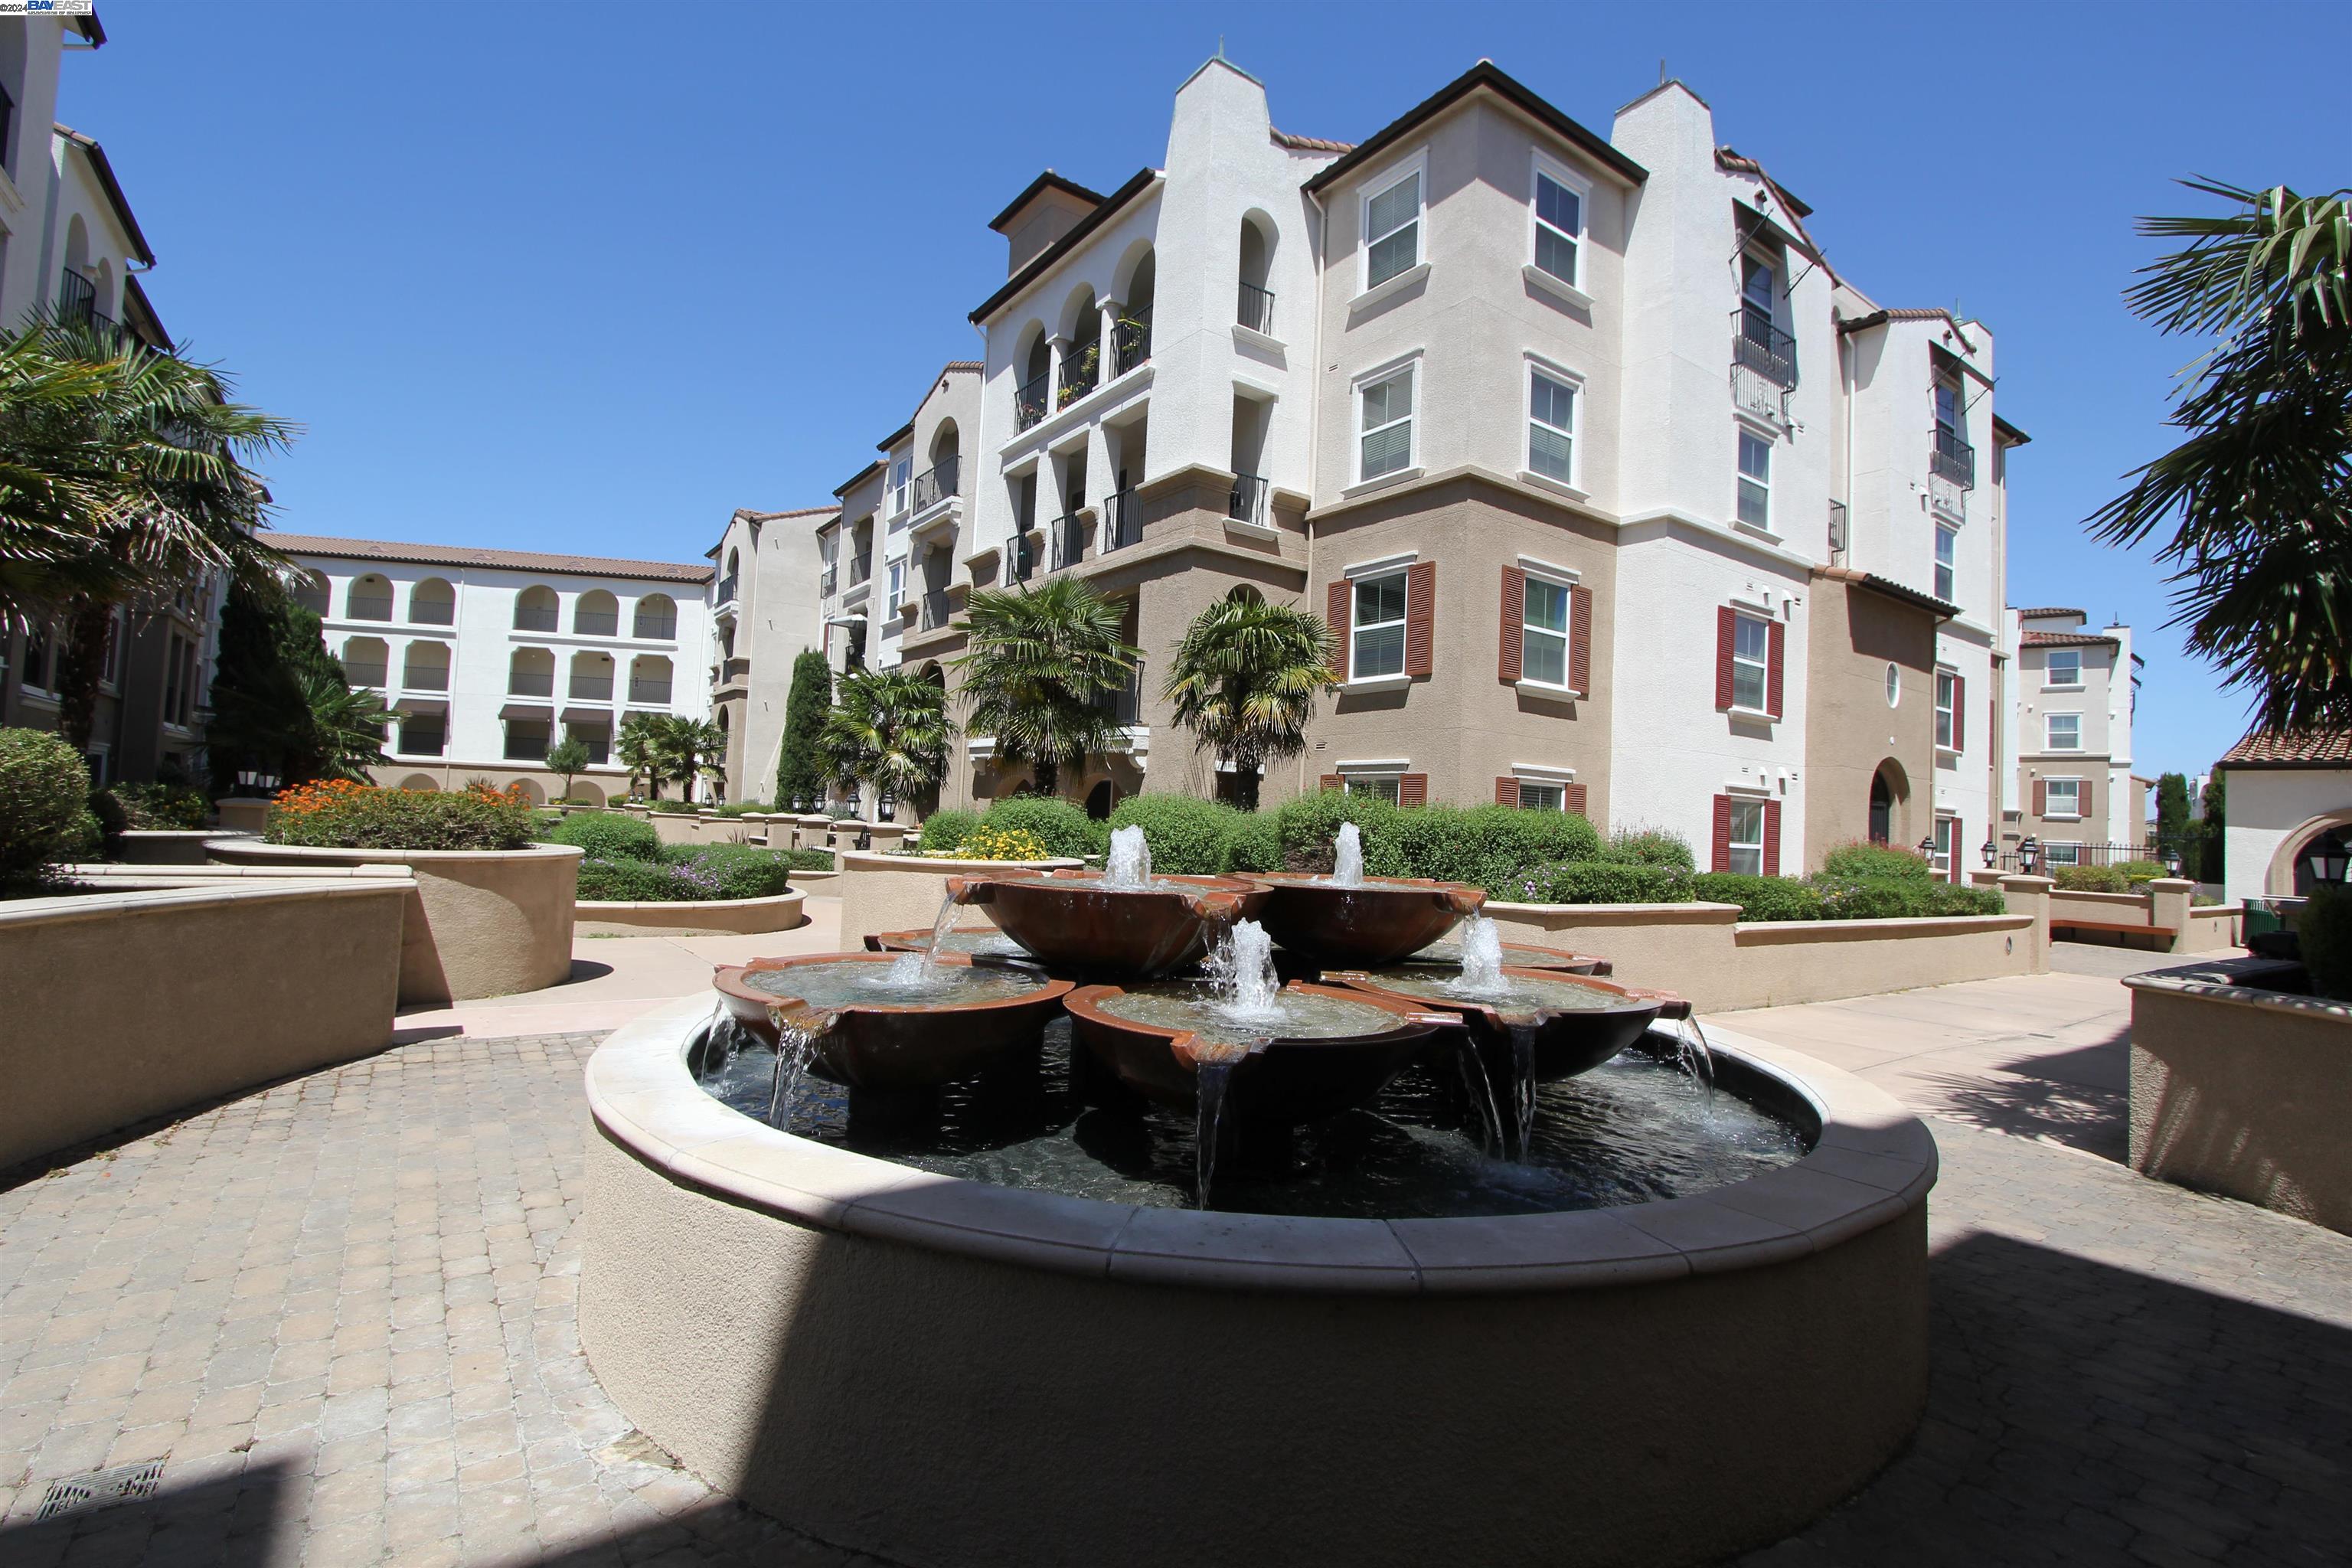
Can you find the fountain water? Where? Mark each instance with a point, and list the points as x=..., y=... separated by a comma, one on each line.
x=1348, y=858
x=1482, y=961
x=796, y=1049
x=921, y=969
x=1242, y=976
x=1128, y=867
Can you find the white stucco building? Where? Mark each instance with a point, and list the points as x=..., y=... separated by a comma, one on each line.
x=488, y=657
x=2073, y=702
x=2287, y=798
x=763, y=603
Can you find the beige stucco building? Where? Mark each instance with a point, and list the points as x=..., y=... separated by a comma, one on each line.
x=2072, y=790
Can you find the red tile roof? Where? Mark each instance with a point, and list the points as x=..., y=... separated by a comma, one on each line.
x=2308, y=749
x=2065, y=639
x=2050, y=610
x=1308, y=144
x=466, y=555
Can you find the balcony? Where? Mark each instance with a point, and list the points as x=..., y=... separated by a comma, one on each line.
x=1029, y=402
x=596, y=623
x=367, y=675
x=528, y=620
x=1256, y=309
x=1020, y=558
x=655, y=693
x=78, y=299
x=592, y=687
x=1247, y=503
x=937, y=484
x=1124, y=703
x=1953, y=459
x=727, y=587
x=429, y=613
x=523, y=683
x=1130, y=341
x=827, y=584
x=1123, y=520
x=860, y=568
x=937, y=612
x=370, y=609
x=656, y=629
x=1757, y=345
x=1066, y=536
x=415, y=679
x=1081, y=374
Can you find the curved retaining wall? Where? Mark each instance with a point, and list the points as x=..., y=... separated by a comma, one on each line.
x=481, y=923
x=902, y=892
x=940, y=1372
x=780, y=913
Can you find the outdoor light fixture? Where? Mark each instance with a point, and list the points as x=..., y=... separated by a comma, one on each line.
x=255, y=781
x=2329, y=861
x=1928, y=846
x=852, y=803
x=1991, y=852
x=887, y=808
x=2173, y=865
x=2029, y=854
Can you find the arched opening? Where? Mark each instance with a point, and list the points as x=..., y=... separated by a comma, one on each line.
x=76, y=295
x=529, y=789
x=426, y=667
x=587, y=793
x=592, y=678
x=1032, y=365
x=1255, y=310
x=368, y=598
x=432, y=603
x=531, y=672
x=1082, y=361
x=365, y=660
x=2303, y=875
x=1244, y=593
x=1100, y=799
x=649, y=675
x=311, y=592
x=656, y=618
x=597, y=614
x=1890, y=794
x=941, y=481
x=1132, y=342
x=535, y=609
x=419, y=781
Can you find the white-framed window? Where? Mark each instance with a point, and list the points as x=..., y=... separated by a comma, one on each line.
x=1384, y=427
x=1376, y=638
x=2062, y=731
x=2063, y=667
x=902, y=473
x=1946, y=697
x=1755, y=478
x=1378, y=786
x=1947, y=546
x=1559, y=213
x=2056, y=854
x=1537, y=795
x=1392, y=223
x=1894, y=684
x=1941, y=856
x=1751, y=644
x=2062, y=797
x=1758, y=280
x=1543, y=632
x=1948, y=411
x=897, y=583
x=1747, y=836
x=1552, y=424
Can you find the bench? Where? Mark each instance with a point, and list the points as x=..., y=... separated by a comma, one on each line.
x=2161, y=934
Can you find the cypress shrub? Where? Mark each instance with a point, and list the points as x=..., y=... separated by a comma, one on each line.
x=799, y=767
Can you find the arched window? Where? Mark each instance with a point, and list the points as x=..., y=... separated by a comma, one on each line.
x=597, y=614
x=368, y=598
x=656, y=618
x=531, y=672
x=432, y=603
x=1082, y=361
x=1131, y=337
x=649, y=679
x=1255, y=306
x=535, y=609
x=940, y=480
x=364, y=659
x=591, y=676
x=426, y=667
x=311, y=592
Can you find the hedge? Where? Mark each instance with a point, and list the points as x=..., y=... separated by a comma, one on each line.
x=1600, y=882
x=44, y=803
x=1187, y=834
x=1759, y=897
x=165, y=806
x=338, y=814
x=608, y=835
x=1066, y=830
x=1649, y=846
x=946, y=830
x=1871, y=862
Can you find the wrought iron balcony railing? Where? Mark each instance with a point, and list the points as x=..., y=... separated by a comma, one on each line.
x=655, y=628
x=596, y=623
x=1256, y=310
x=936, y=613
x=368, y=675
x=1954, y=458
x=1247, y=503
x=593, y=688
x=727, y=587
x=427, y=613
x=1068, y=536
x=523, y=683
x=1081, y=372
x=1123, y=520
x=657, y=691
x=827, y=584
x=1757, y=345
x=1029, y=402
x=533, y=620
x=937, y=483
x=1130, y=341
x=370, y=609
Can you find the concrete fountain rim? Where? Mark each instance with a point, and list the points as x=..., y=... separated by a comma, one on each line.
x=1871, y=1164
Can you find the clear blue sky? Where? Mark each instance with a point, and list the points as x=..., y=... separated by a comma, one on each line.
x=584, y=278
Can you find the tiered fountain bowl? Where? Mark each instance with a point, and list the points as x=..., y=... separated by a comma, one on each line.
x=1082, y=922
x=987, y=943
x=1364, y=923
x=1447, y=952
x=906, y=1037
x=1568, y=1023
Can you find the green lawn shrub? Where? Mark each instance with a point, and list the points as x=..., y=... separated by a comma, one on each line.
x=1064, y=830
x=1600, y=882
x=1648, y=847
x=2089, y=879
x=946, y=830
x=1860, y=862
x=1186, y=834
x=165, y=805
x=1759, y=897
x=45, y=814
x=608, y=835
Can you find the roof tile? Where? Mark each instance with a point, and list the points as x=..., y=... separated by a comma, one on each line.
x=2310, y=748
x=466, y=555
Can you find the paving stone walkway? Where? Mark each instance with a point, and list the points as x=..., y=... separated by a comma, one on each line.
x=340, y=1313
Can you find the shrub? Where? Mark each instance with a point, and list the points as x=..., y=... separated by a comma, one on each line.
x=2325, y=933
x=2091, y=879
x=2135, y=872
x=991, y=843
x=1063, y=828
x=112, y=822
x=338, y=814
x=738, y=808
x=1649, y=846
x=609, y=836
x=1760, y=897
x=1530, y=838
x=152, y=805
x=44, y=803
x=1309, y=824
x=1866, y=862
x=807, y=859
x=627, y=881
x=1870, y=897
x=728, y=870
x=1187, y=833
x=1601, y=883
x=946, y=830
x=1952, y=898
x=1254, y=844
x=673, y=808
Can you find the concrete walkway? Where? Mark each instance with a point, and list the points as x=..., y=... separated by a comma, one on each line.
x=337, y=1315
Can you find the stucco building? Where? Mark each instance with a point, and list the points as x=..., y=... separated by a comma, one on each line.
x=488, y=657
x=2289, y=798
x=764, y=603
x=2076, y=694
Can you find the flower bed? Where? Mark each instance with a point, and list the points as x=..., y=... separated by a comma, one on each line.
x=630, y=877
x=338, y=814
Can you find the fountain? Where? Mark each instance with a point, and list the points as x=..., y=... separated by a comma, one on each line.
x=1121, y=922
x=1349, y=919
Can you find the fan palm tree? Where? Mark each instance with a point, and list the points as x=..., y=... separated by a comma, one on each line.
x=689, y=748
x=299, y=721
x=2260, y=496
x=638, y=748
x=889, y=728
x=1244, y=681
x=1040, y=664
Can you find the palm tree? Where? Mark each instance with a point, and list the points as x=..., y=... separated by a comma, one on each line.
x=1244, y=681
x=687, y=749
x=1041, y=662
x=888, y=729
x=639, y=748
x=299, y=721
x=2260, y=497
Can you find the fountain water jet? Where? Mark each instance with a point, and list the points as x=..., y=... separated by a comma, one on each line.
x=1348, y=857
x=1128, y=867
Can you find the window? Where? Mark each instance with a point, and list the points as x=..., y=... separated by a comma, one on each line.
x=1894, y=684
x=1747, y=837
x=1947, y=411
x=1551, y=427
x=897, y=584
x=1755, y=479
x=1947, y=698
x=1387, y=425
x=424, y=734
x=111, y=671
x=1756, y=283
x=901, y=472
x=1751, y=641
x=2063, y=667
x=1393, y=230
x=2062, y=797
x=1378, y=786
x=2062, y=732
x=1942, y=858
x=2056, y=854
x=1543, y=634
x=527, y=740
x=1559, y=225
x=36, y=658
x=1946, y=549
x=1542, y=796
x=1376, y=641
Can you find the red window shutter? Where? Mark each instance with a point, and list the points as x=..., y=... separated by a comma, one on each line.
x=1576, y=793
x=1772, y=834
x=1420, y=615
x=1330, y=781
x=2087, y=797
x=1772, y=669
x=1579, y=640
x=1726, y=626
x=2041, y=798
x=1507, y=790
x=1960, y=725
x=1507, y=665
x=1721, y=860
x=1337, y=610
x=1412, y=789
x=1952, y=861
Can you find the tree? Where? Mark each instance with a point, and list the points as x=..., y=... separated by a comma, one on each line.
x=568, y=758
x=800, y=768
x=686, y=748
x=2173, y=835
x=889, y=730
x=1042, y=662
x=2211, y=853
x=2259, y=497
x=281, y=703
x=639, y=748
x=1244, y=681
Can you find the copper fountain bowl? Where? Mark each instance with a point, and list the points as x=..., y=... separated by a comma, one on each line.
x=1383, y=920
x=1566, y=1041
x=1073, y=923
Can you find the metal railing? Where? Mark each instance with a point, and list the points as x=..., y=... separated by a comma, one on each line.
x=523, y=683
x=938, y=482
x=1068, y=536
x=827, y=584
x=2084, y=855
x=418, y=678
x=649, y=692
x=1248, y=502
x=1029, y=401
x=936, y=613
x=596, y=623
x=76, y=297
x=1123, y=520
x=1257, y=311
x=370, y=609
x=1124, y=703
x=525, y=742
x=593, y=688
x=1021, y=562
x=1954, y=458
x=1081, y=372
x=368, y=675
x=860, y=569
x=533, y=620
x=427, y=613
x=1837, y=533
x=1130, y=341
x=727, y=587
x=655, y=628
x=1757, y=345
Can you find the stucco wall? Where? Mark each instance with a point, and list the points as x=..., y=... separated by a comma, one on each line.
x=2269, y=810
x=600, y=918
x=1850, y=728
x=903, y=892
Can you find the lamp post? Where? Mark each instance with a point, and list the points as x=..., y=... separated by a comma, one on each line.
x=257, y=781
x=1991, y=852
x=2173, y=865
x=2329, y=861
x=2029, y=855
x=887, y=808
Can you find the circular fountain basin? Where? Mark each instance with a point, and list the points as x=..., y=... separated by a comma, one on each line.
x=938, y=1370
x=973, y=942
x=885, y=1033
x=1571, y=1023
x=1376, y=923
x=1447, y=950
x=1330, y=1051
x=1074, y=922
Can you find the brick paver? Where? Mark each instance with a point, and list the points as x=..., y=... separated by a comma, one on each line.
x=339, y=1310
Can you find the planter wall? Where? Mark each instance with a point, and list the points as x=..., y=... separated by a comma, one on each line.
x=482, y=922
x=902, y=892
x=781, y=913
x=164, y=846
x=2242, y=1090
x=122, y=1005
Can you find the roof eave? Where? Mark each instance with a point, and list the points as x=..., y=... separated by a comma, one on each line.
x=1045, y=260
x=1485, y=74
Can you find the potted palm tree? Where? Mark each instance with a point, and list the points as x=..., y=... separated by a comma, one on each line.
x=1040, y=664
x=1244, y=681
